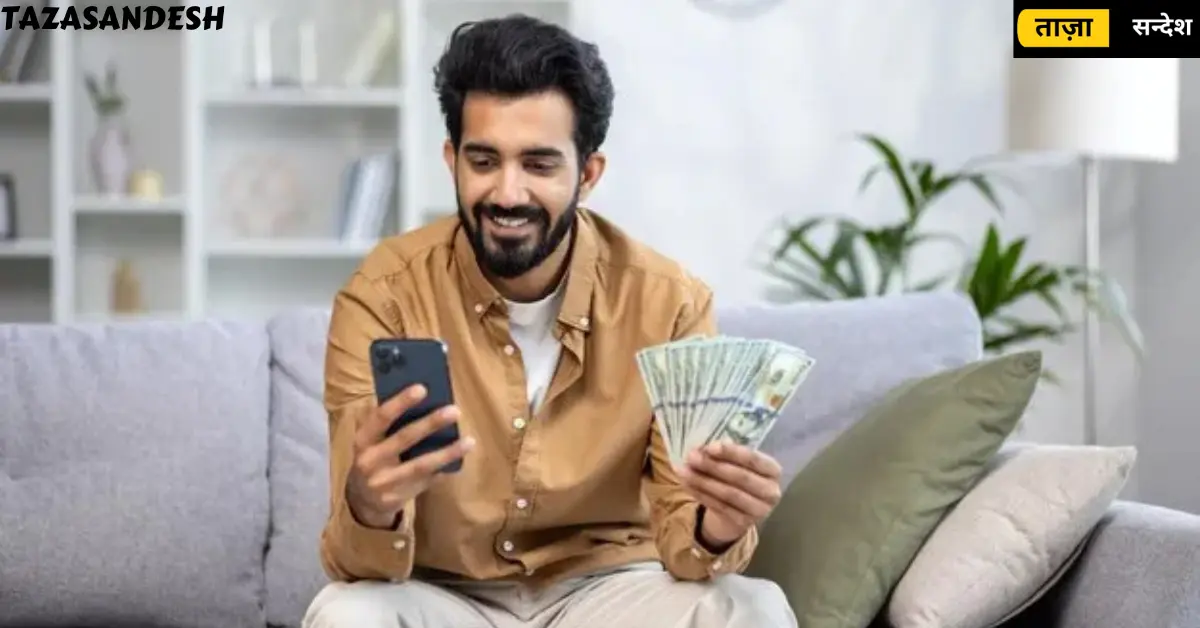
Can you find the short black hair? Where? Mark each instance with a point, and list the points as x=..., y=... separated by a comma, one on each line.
x=519, y=55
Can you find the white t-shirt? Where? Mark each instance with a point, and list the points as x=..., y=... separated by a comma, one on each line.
x=532, y=328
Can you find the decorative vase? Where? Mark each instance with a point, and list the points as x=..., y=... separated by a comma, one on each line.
x=109, y=154
x=126, y=289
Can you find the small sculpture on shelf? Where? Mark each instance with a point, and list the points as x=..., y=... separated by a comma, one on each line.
x=110, y=146
x=146, y=185
x=126, y=290
x=262, y=197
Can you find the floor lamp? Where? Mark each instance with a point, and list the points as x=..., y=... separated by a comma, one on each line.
x=1094, y=109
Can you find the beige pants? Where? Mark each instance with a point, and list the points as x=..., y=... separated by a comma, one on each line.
x=637, y=596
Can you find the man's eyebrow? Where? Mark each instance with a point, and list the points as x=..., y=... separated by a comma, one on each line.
x=475, y=147
x=543, y=152
x=540, y=151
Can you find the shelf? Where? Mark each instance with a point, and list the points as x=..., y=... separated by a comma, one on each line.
x=282, y=171
x=350, y=98
x=254, y=178
x=25, y=155
x=147, y=64
x=270, y=286
x=153, y=246
x=26, y=292
x=25, y=93
x=104, y=204
x=26, y=249
x=290, y=249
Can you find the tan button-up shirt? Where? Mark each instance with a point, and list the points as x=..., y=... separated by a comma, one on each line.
x=583, y=484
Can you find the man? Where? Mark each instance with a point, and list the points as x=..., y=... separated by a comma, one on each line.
x=567, y=511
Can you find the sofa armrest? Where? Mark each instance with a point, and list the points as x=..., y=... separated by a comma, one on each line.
x=1141, y=568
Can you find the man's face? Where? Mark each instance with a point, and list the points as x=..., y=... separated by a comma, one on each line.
x=517, y=178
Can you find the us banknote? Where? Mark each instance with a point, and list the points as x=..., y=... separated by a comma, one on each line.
x=705, y=389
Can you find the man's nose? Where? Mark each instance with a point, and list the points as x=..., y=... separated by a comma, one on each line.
x=511, y=189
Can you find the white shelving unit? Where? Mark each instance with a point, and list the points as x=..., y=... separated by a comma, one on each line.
x=194, y=119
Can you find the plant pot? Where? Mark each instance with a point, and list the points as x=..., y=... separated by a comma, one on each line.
x=109, y=155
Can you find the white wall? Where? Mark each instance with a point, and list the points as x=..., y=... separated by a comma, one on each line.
x=723, y=127
x=1168, y=278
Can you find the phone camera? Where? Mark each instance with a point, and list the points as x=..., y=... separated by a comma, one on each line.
x=396, y=358
x=388, y=358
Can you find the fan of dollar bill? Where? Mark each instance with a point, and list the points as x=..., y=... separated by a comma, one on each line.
x=707, y=389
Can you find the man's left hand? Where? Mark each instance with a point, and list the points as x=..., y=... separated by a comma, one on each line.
x=737, y=486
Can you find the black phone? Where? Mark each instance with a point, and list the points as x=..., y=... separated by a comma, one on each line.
x=396, y=364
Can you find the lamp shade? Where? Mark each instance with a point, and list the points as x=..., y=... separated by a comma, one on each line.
x=1102, y=108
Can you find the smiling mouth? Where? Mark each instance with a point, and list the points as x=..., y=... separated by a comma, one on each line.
x=510, y=227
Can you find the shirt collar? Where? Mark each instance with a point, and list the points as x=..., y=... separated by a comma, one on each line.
x=580, y=278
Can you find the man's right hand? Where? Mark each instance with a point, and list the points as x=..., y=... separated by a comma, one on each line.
x=379, y=484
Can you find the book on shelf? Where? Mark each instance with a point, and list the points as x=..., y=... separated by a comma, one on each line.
x=367, y=194
x=372, y=50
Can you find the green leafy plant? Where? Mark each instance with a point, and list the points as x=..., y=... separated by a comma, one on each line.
x=107, y=99
x=837, y=257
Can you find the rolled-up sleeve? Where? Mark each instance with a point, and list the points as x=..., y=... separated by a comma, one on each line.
x=362, y=313
x=675, y=512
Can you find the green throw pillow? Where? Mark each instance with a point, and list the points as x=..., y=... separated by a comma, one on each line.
x=854, y=518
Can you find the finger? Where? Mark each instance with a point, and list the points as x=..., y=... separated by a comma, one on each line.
x=743, y=456
x=715, y=506
x=734, y=497
x=395, y=499
x=387, y=453
x=373, y=430
x=423, y=468
x=429, y=464
x=761, y=488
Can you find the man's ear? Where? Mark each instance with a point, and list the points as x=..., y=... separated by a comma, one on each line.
x=449, y=155
x=589, y=175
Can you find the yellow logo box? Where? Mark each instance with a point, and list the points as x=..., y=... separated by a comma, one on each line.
x=1063, y=28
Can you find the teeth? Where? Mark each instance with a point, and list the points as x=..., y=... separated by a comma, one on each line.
x=511, y=222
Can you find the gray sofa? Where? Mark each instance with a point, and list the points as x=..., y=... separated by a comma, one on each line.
x=174, y=474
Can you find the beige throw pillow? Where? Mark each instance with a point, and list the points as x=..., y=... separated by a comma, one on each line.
x=1009, y=535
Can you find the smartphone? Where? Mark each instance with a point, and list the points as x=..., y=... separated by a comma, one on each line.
x=396, y=364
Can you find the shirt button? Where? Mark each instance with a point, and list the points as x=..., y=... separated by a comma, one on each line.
x=584, y=321
x=519, y=423
x=529, y=571
x=478, y=308
x=399, y=545
x=507, y=545
x=522, y=503
x=716, y=565
x=696, y=553
x=509, y=350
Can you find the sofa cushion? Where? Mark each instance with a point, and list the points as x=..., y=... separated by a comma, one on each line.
x=133, y=466
x=863, y=348
x=299, y=464
x=1010, y=536
x=850, y=523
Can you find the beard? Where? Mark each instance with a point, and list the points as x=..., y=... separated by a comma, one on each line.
x=510, y=257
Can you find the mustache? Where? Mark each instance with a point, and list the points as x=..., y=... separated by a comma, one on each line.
x=533, y=213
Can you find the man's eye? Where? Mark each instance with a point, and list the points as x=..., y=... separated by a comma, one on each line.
x=541, y=166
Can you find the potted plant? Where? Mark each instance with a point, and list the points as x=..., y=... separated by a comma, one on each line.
x=108, y=151
x=862, y=260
